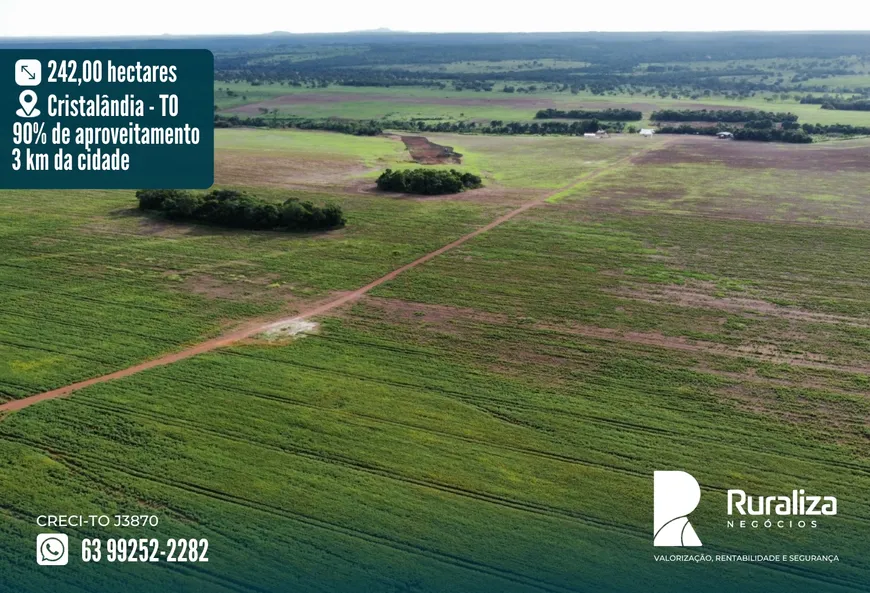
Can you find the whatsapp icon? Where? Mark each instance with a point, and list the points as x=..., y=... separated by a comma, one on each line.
x=52, y=549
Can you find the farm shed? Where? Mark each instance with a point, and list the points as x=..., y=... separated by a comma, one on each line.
x=647, y=132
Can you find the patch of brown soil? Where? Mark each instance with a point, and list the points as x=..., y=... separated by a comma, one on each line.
x=445, y=317
x=815, y=380
x=254, y=168
x=137, y=223
x=837, y=418
x=687, y=297
x=401, y=310
x=762, y=352
x=435, y=321
x=428, y=153
x=490, y=194
x=154, y=227
x=246, y=289
x=762, y=155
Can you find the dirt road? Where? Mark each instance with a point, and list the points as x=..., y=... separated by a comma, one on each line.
x=253, y=328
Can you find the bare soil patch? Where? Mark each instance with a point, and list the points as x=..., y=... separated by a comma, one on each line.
x=401, y=310
x=839, y=418
x=428, y=153
x=140, y=223
x=761, y=155
x=254, y=168
x=757, y=351
x=289, y=330
x=453, y=319
x=687, y=297
x=815, y=379
x=248, y=289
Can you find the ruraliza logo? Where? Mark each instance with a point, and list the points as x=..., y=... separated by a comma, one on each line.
x=675, y=495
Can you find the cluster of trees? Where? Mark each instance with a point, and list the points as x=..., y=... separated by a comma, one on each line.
x=724, y=115
x=691, y=130
x=773, y=135
x=814, y=100
x=473, y=85
x=428, y=182
x=860, y=105
x=838, y=103
x=766, y=124
x=605, y=114
x=236, y=209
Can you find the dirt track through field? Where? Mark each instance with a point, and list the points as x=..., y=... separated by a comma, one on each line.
x=253, y=328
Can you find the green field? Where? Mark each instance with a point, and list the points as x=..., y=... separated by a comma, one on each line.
x=91, y=284
x=296, y=144
x=487, y=421
x=452, y=105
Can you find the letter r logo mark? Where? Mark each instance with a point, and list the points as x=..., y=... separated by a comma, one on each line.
x=675, y=495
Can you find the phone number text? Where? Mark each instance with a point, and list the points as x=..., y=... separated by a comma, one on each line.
x=144, y=550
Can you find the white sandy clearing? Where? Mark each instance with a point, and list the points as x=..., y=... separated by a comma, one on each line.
x=291, y=328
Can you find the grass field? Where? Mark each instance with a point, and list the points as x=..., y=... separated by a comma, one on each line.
x=115, y=286
x=487, y=421
x=433, y=104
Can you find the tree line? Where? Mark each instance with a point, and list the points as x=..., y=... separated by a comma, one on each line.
x=376, y=127
x=724, y=115
x=770, y=134
x=836, y=129
x=840, y=104
x=773, y=135
x=229, y=208
x=605, y=114
x=515, y=128
x=429, y=182
x=863, y=105
x=343, y=126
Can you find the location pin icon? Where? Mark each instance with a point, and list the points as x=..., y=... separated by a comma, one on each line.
x=28, y=104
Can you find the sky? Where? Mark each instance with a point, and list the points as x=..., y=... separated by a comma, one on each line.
x=49, y=18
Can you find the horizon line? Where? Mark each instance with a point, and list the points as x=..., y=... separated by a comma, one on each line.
x=385, y=31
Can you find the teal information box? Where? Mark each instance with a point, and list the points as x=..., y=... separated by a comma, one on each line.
x=106, y=119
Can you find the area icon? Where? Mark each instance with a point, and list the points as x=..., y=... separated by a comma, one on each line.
x=28, y=72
